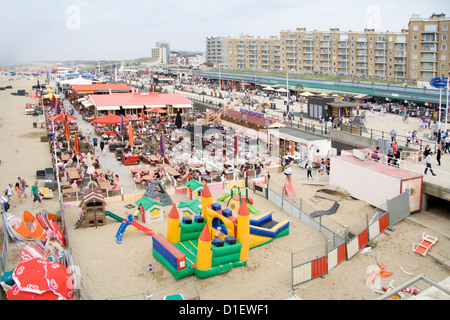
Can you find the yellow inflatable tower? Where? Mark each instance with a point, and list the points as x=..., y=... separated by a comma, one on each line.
x=243, y=230
x=204, y=252
x=206, y=198
x=173, y=225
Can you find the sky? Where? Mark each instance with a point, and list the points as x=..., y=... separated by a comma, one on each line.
x=58, y=30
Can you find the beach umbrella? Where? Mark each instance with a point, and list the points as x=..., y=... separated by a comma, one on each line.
x=110, y=119
x=162, y=144
x=16, y=294
x=157, y=110
x=178, y=121
x=130, y=135
x=29, y=275
x=67, y=129
x=59, y=280
x=62, y=117
x=76, y=144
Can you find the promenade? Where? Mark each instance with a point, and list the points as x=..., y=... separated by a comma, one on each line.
x=377, y=126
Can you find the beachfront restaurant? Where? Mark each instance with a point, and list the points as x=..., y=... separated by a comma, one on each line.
x=81, y=90
x=133, y=103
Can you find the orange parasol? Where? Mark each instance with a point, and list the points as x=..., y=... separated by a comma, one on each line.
x=67, y=129
x=62, y=117
x=158, y=110
x=130, y=135
x=76, y=144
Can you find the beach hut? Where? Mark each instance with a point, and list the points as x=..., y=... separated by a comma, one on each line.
x=194, y=188
x=190, y=208
x=151, y=209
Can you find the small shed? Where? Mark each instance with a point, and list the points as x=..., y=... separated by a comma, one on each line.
x=194, y=188
x=151, y=209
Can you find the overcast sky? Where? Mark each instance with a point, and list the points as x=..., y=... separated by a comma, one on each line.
x=33, y=30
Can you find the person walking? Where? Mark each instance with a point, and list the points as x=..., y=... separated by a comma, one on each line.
x=288, y=172
x=393, y=135
x=35, y=192
x=428, y=163
x=19, y=192
x=23, y=185
x=9, y=192
x=438, y=154
x=308, y=168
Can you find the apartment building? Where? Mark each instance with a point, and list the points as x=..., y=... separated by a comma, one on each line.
x=333, y=52
x=419, y=52
x=216, y=49
x=249, y=53
x=428, y=41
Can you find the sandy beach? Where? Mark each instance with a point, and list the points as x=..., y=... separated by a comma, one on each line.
x=109, y=270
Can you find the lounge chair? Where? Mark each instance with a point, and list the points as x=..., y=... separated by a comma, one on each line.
x=424, y=245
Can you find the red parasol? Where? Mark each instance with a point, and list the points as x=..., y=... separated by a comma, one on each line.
x=130, y=135
x=40, y=276
x=76, y=144
x=110, y=119
x=62, y=117
x=59, y=280
x=142, y=115
x=29, y=275
x=16, y=294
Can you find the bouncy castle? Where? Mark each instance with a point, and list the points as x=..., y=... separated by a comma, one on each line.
x=213, y=241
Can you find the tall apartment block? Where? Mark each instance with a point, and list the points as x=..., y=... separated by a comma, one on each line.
x=250, y=53
x=428, y=52
x=362, y=54
x=417, y=53
x=216, y=50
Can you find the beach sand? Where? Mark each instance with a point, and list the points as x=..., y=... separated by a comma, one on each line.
x=110, y=270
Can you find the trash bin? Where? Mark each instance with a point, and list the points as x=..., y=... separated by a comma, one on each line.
x=34, y=124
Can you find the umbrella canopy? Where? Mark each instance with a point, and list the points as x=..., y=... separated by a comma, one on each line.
x=62, y=117
x=76, y=144
x=281, y=90
x=307, y=94
x=67, y=129
x=157, y=110
x=29, y=275
x=110, y=119
x=50, y=96
x=268, y=88
x=16, y=294
x=40, y=278
x=162, y=144
x=130, y=135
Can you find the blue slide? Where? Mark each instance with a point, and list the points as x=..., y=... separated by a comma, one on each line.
x=122, y=228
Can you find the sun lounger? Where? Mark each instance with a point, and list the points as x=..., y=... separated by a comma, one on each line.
x=332, y=210
x=424, y=245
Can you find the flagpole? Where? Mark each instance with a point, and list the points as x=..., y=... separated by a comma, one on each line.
x=440, y=103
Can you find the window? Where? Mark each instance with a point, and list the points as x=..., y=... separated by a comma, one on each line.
x=414, y=65
x=443, y=57
x=415, y=37
x=444, y=27
x=415, y=27
x=415, y=47
x=414, y=74
x=444, y=47
x=442, y=66
x=444, y=37
x=431, y=27
x=415, y=56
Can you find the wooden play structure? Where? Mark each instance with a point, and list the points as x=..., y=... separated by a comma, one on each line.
x=93, y=205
